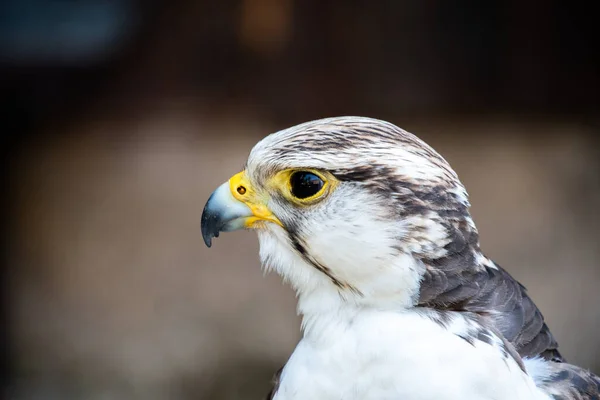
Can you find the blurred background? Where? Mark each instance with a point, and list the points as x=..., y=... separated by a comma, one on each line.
x=121, y=116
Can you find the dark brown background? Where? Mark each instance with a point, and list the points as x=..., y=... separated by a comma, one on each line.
x=123, y=116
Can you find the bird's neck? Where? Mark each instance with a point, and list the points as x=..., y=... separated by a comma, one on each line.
x=324, y=310
x=393, y=287
x=329, y=309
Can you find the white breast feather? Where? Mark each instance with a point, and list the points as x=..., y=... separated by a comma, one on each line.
x=399, y=355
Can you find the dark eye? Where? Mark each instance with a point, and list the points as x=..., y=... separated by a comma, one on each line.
x=305, y=184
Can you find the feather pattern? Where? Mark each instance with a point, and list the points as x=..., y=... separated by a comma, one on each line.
x=418, y=202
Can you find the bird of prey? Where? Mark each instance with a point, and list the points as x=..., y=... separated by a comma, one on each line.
x=371, y=227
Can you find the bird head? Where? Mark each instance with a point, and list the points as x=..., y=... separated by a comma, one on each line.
x=350, y=206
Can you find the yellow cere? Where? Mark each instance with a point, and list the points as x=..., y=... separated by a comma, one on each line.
x=242, y=190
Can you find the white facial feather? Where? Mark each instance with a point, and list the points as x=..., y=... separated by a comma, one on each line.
x=355, y=233
x=346, y=234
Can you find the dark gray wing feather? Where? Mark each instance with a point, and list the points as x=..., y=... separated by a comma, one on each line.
x=569, y=382
x=492, y=293
x=497, y=297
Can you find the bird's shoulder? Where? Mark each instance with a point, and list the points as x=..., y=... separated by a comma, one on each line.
x=491, y=292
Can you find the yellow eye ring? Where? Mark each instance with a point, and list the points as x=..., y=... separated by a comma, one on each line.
x=304, y=186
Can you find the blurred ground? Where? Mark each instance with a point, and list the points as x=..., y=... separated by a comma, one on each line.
x=123, y=117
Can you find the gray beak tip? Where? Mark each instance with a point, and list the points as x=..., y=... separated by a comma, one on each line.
x=222, y=213
x=209, y=227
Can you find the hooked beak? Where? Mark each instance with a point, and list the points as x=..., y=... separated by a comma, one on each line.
x=234, y=205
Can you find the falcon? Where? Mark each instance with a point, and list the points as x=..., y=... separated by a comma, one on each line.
x=371, y=228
